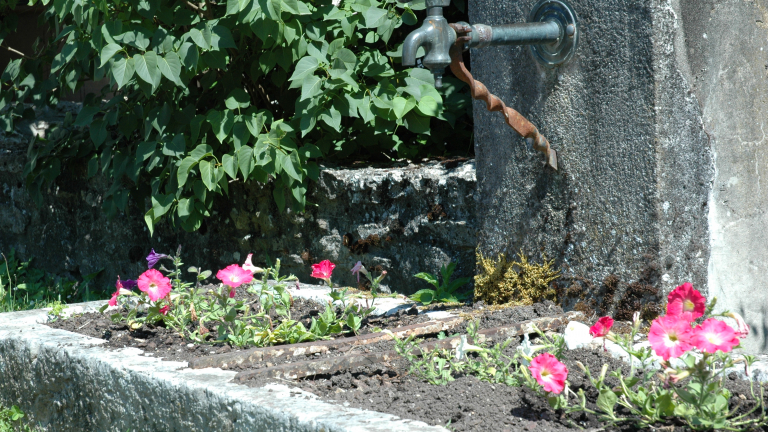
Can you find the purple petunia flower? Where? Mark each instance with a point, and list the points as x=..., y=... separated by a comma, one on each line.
x=129, y=284
x=153, y=258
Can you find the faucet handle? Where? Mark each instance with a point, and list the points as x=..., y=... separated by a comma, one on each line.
x=438, y=3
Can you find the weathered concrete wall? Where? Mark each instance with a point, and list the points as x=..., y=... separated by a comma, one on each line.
x=723, y=47
x=658, y=122
x=67, y=382
x=388, y=215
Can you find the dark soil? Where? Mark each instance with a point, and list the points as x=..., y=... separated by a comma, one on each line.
x=468, y=404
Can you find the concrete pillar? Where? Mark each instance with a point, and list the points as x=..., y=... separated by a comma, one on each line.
x=658, y=124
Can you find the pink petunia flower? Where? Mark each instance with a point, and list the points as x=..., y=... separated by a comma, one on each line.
x=686, y=302
x=164, y=310
x=670, y=336
x=323, y=271
x=549, y=372
x=357, y=269
x=714, y=335
x=118, y=287
x=742, y=329
x=234, y=276
x=248, y=265
x=601, y=327
x=154, y=284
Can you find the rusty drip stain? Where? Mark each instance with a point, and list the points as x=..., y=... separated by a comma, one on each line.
x=479, y=91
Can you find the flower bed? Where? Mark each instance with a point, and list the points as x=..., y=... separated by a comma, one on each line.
x=499, y=384
x=337, y=349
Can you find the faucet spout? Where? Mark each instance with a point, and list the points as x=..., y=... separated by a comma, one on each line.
x=411, y=46
x=436, y=36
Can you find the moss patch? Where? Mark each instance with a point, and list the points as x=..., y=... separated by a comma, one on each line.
x=520, y=282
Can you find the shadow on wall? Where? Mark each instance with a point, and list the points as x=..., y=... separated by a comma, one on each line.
x=387, y=216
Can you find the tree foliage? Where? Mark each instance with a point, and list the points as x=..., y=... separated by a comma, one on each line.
x=197, y=95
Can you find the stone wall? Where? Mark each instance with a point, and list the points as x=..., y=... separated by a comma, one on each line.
x=658, y=123
x=405, y=219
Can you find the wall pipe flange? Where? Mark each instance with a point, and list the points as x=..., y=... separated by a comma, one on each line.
x=561, y=51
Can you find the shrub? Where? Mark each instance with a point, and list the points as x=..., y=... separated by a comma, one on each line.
x=518, y=282
x=197, y=95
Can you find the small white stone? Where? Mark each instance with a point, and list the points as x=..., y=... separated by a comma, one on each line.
x=577, y=335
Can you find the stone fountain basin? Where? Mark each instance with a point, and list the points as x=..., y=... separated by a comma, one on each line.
x=68, y=382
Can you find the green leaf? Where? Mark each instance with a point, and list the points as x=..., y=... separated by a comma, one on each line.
x=347, y=57
x=237, y=98
x=417, y=122
x=331, y=117
x=123, y=71
x=402, y=106
x=229, y=162
x=374, y=17
x=145, y=150
x=93, y=166
x=255, y=123
x=61, y=59
x=216, y=60
x=429, y=278
x=85, y=116
x=207, y=175
x=222, y=123
x=233, y=7
x=311, y=87
x=186, y=164
x=245, y=160
x=277, y=194
x=289, y=164
x=177, y=147
x=607, y=401
x=201, y=151
x=185, y=207
x=98, y=132
x=221, y=38
x=189, y=55
x=199, y=39
x=240, y=133
x=146, y=67
x=161, y=204
x=428, y=106
x=108, y=52
x=170, y=66
x=309, y=151
x=409, y=18
x=425, y=296
x=306, y=66
x=291, y=6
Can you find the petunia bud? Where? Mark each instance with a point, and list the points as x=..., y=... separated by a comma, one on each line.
x=742, y=329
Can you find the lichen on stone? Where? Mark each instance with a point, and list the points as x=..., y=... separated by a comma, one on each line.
x=520, y=282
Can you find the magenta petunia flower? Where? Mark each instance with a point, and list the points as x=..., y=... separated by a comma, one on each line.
x=686, y=302
x=323, y=271
x=153, y=258
x=601, y=327
x=234, y=276
x=164, y=310
x=248, y=265
x=715, y=335
x=670, y=336
x=154, y=284
x=549, y=372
